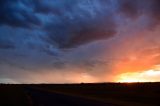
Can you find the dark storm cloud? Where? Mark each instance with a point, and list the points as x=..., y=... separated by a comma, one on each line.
x=92, y=30
x=67, y=24
x=84, y=22
x=6, y=45
x=74, y=22
x=5, y=41
x=78, y=24
x=17, y=13
x=76, y=33
x=53, y=6
x=136, y=8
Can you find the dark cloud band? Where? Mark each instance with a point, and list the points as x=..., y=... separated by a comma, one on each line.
x=77, y=22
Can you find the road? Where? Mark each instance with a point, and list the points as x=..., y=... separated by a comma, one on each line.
x=40, y=97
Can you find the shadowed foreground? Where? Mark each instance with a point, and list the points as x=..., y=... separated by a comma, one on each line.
x=45, y=98
x=104, y=94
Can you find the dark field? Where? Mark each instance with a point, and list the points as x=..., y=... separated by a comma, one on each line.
x=102, y=94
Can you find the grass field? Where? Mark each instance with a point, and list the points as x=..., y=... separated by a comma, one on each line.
x=118, y=94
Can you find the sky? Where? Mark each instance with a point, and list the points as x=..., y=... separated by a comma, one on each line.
x=74, y=41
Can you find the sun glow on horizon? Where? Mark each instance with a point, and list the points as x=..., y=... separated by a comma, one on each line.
x=145, y=76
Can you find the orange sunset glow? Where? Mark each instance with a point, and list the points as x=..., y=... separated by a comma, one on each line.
x=151, y=75
x=138, y=66
x=145, y=76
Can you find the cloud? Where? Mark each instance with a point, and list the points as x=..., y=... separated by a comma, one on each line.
x=137, y=8
x=78, y=33
x=88, y=37
x=55, y=7
x=82, y=23
x=7, y=81
x=6, y=45
x=17, y=13
x=73, y=23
